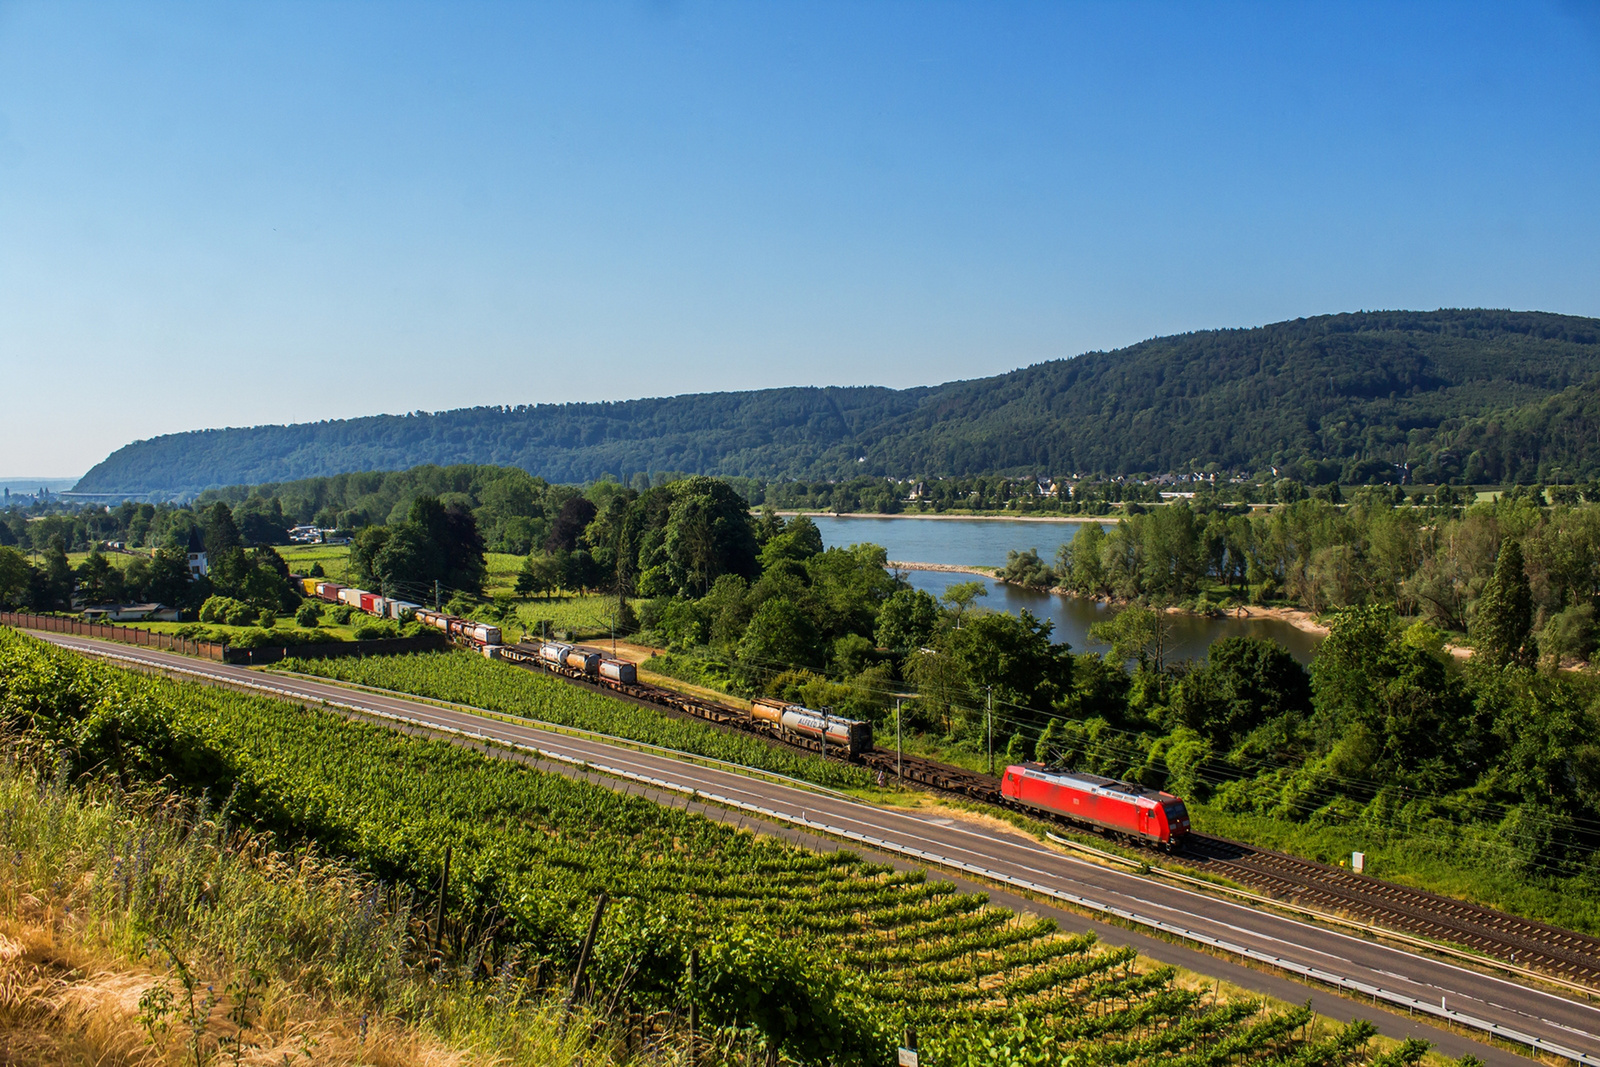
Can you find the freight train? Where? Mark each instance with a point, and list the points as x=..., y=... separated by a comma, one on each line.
x=1105, y=804
x=794, y=723
x=481, y=635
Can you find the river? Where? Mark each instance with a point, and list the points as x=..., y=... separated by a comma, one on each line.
x=985, y=542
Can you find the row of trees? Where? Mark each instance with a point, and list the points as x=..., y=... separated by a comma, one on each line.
x=257, y=576
x=1431, y=564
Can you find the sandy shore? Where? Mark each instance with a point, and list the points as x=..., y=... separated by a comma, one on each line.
x=1299, y=619
x=944, y=568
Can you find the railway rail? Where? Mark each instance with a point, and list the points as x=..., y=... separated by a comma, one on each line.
x=1523, y=943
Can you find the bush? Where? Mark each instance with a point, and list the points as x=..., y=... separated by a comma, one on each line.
x=257, y=637
x=267, y=619
x=376, y=630
x=340, y=614
x=219, y=608
x=309, y=615
x=239, y=615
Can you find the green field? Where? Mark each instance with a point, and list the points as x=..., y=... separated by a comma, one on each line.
x=335, y=559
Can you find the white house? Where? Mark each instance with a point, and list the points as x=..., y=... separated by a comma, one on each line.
x=198, y=566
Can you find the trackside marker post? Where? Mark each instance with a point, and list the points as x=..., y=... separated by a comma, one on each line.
x=907, y=1056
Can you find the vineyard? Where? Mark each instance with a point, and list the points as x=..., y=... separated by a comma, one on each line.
x=822, y=956
x=463, y=678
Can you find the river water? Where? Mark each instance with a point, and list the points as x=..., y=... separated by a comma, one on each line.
x=985, y=542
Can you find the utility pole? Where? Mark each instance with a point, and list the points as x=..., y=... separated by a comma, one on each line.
x=825, y=709
x=899, y=759
x=989, y=715
x=436, y=594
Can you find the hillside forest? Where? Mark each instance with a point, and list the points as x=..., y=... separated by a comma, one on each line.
x=1451, y=396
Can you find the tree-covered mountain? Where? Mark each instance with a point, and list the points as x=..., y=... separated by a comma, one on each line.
x=1362, y=391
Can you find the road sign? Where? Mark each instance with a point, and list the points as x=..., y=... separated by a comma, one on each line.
x=908, y=1057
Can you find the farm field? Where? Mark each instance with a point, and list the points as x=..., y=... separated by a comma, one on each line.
x=335, y=559
x=325, y=946
x=826, y=956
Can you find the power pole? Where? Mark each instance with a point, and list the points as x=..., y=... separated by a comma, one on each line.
x=444, y=890
x=899, y=759
x=436, y=594
x=825, y=709
x=989, y=715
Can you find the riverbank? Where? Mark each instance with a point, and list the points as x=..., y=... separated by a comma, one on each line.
x=976, y=516
x=1300, y=619
x=943, y=568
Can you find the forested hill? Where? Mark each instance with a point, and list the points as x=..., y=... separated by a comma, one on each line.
x=1461, y=394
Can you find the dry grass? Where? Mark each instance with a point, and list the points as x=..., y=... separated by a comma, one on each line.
x=64, y=1002
x=113, y=905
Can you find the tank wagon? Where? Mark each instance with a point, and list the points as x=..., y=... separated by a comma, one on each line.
x=852, y=736
x=1119, y=807
x=802, y=726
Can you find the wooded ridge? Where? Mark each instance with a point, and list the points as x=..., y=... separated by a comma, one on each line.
x=1460, y=395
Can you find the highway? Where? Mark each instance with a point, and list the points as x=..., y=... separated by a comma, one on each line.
x=1364, y=971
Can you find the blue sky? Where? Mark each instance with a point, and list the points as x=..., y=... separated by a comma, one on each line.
x=229, y=214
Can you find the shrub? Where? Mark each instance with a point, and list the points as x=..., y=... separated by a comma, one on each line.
x=376, y=630
x=267, y=619
x=309, y=614
x=220, y=608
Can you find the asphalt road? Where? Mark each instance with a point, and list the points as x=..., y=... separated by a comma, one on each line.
x=1415, y=989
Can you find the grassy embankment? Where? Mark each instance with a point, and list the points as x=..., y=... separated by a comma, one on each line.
x=141, y=928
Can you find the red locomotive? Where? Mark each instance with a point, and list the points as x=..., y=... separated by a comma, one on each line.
x=1121, y=807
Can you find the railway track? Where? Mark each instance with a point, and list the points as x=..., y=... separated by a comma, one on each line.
x=1520, y=942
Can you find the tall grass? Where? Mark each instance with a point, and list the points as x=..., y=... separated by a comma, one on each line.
x=108, y=894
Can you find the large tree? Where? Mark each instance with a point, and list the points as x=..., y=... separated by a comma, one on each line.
x=1502, y=619
x=1243, y=682
x=709, y=534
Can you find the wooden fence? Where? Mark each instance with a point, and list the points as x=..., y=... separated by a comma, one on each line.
x=128, y=635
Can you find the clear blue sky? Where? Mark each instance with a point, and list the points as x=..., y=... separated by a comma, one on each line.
x=228, y=214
